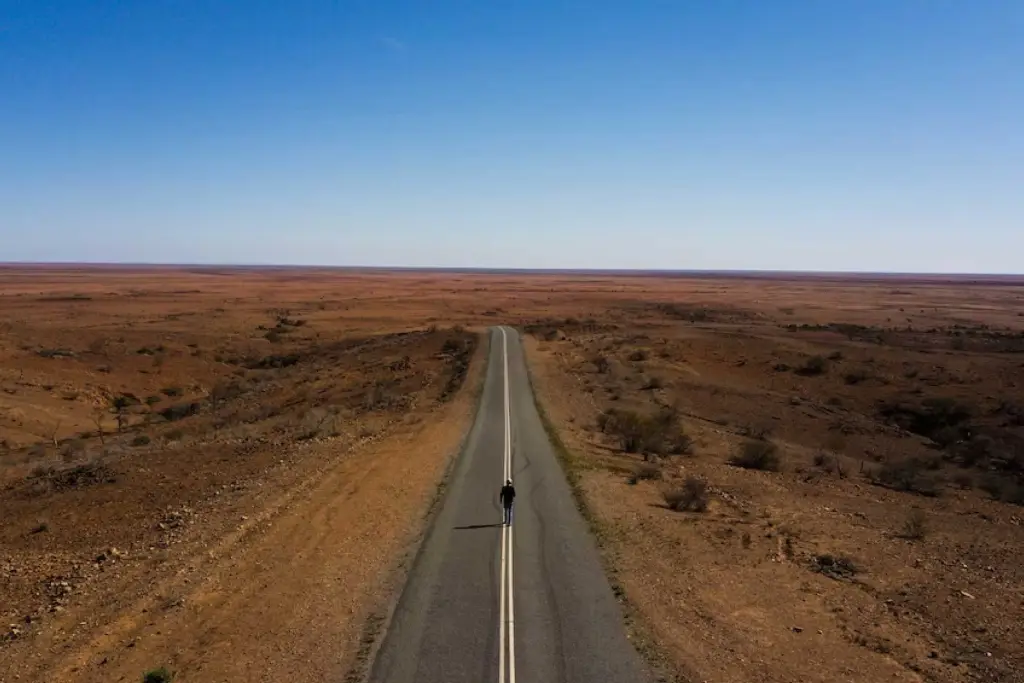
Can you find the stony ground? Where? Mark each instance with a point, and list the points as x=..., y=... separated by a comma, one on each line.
x=874, y=546
x=212, y=481
x=221, y=470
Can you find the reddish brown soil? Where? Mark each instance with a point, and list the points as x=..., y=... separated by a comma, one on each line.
x=744, y=591
x=258, y=534
x=249, y=533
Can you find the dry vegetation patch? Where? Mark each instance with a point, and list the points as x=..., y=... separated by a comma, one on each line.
x=152, y=418
x=851, y=492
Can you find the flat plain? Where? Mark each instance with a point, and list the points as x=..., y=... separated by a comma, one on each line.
x=223, y=470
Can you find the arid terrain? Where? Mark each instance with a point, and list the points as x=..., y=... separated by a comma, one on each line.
x=223, y=471
x=804, y=480
x=217, y=472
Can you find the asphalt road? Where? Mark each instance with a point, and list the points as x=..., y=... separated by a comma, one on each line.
x=528, y=603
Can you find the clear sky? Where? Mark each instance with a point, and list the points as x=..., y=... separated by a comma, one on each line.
x=818, y=135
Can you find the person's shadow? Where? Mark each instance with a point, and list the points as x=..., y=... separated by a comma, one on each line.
x=478, y=526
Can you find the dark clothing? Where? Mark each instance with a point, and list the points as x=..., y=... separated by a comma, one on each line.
x=508, y=494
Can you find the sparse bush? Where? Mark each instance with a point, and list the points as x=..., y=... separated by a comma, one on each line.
x=273, y=336
x=161, y=675
x=964, y=480
x=855, y=377
x=273, y=362
x=225, y=391
x=757, y=455
x=934, y=418
x=693, y=496
x=71, y=448
x=680, y=443
x=40, y=528
x=992, y=485
x=451, y=347
x=172, y=392
x=830, y=463
x=976, y=452
x=646, y=472
x=658, y=434
x=835, y=355
x=602, y=365
x=1014, y=494
x=56, y=353
x=653, y=383
x=606, y=420
x=835, y=566
x=815, y=365
x=180, y=411
x=638, y=355
x=153, y=400
x=1003, y=489
x=632, y=430
x=758, y=432
x=906, y=475
x=946, y=437
x=174, y=435
x=915, y=527
x=141, y=440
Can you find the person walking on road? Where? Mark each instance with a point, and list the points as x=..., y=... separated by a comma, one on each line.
x=508, y=494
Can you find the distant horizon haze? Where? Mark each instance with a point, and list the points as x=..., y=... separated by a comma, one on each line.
x=792, y=136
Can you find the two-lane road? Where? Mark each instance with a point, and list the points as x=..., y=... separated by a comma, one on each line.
x=527, y=603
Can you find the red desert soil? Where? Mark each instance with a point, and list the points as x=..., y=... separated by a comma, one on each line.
x=222, y=471
x=281, y=438
x=875, y=533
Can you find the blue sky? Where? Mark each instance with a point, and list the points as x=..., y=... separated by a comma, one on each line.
x=842, y=135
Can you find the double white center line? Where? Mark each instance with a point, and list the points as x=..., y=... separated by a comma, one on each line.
x=507, y=625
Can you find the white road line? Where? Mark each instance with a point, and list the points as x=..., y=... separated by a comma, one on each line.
x=511, y=543
x=507, y=610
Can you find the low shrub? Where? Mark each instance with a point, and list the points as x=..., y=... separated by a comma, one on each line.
x=141, y=440
x=915, y=527
x=646, y=472
x=659, y=434
x=837, y=567
x=693, y=496
x=161, y=675
x=815, y=365
x=180, y=411
x=1002, y=488
x=757, y=455
x=855, y=377
x=908, y=475
x=653, y=383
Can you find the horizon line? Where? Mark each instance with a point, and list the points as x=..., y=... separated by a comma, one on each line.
x=763, y=272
